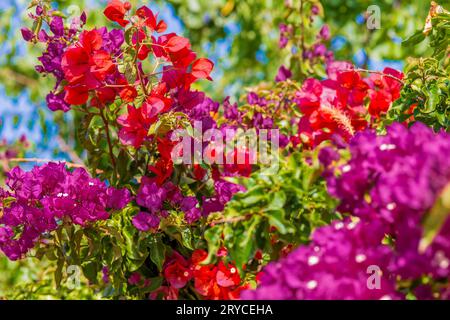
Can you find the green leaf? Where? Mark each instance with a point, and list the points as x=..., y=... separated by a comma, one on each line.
x=157, y=251
x=435, y=219
x=130, y=73
x=433, y=98
x=277, y=220
x=277, y=201
x=90, y=270
x=244, y=242
x=416, y=38
x=186, y=237
x=136, y=253
x=58, y=272
x=155, y=283
x=213, y=236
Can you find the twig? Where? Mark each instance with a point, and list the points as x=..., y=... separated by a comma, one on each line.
x=67, y=149
x=231, y=220
x=379, y=73
x=302, y=28
x=108, y=138
x=38, y=160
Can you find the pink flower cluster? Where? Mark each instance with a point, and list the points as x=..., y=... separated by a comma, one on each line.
x=336, y=105
x=39, y=201
x=390, y=184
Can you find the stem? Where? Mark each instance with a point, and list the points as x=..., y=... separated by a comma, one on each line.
x=138, y=72
x=144, y=88
x=38, y=160
x=67, y=149
x=302, y=28
x=379, y=73
x=231, y=220
x=108, y=138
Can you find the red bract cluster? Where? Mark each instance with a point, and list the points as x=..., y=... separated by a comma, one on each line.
x=99, y=66
x=86, y=66
x=179, y=67
x=384, y=90
x=164, y=166
x=337, y=105
x=213, y=282
x=136, y=123
x=116, y=10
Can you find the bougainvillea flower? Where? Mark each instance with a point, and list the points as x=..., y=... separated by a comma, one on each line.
x=150, y=20
x=198, y=256
x=283, y=74
x=217, y=282
x=27, y=34
x=150, y=195
x=47, y=194
x=135, y=278
x=380, y=102
x=85, y=67
x=165, y=293
x=145, y=221
x=189, y=206
x=177, y=271
x=128, y=93
x=163, y=169
x=227, y=276
x=136, y=123
x=336, y=106
x=384, y=90
x=201, y=69
x=116, y=10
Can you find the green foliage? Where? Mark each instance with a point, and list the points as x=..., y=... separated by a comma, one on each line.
x=426, y=95
x=279, y=210
x=276, y=210
x=257, y=20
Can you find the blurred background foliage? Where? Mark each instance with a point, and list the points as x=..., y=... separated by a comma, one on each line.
x=240, y=36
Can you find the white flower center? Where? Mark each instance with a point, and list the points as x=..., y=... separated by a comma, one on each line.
x=311, y=284
x=386, y=146
x=313, y=260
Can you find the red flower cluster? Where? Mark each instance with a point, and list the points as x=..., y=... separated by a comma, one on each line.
x=86, y=66
x=180, y=68
x=164, y=166
x=237, y=162
x=136, y=123
x=213, y=282
x=116, y=10
x=90, y=67
x=337, y=105
x=384, y=90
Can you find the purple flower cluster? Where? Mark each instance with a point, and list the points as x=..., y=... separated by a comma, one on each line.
x=151, y=199
x=8, y=150
x=319, y=49
x=38, y=201
x=285, y=34
x=388, y=185
x=315, y=52
x=224, y=192
x=333, y=266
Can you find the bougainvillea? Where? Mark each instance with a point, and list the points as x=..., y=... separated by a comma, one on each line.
x=39, y=201
x=341, y=196
x=388, y=186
